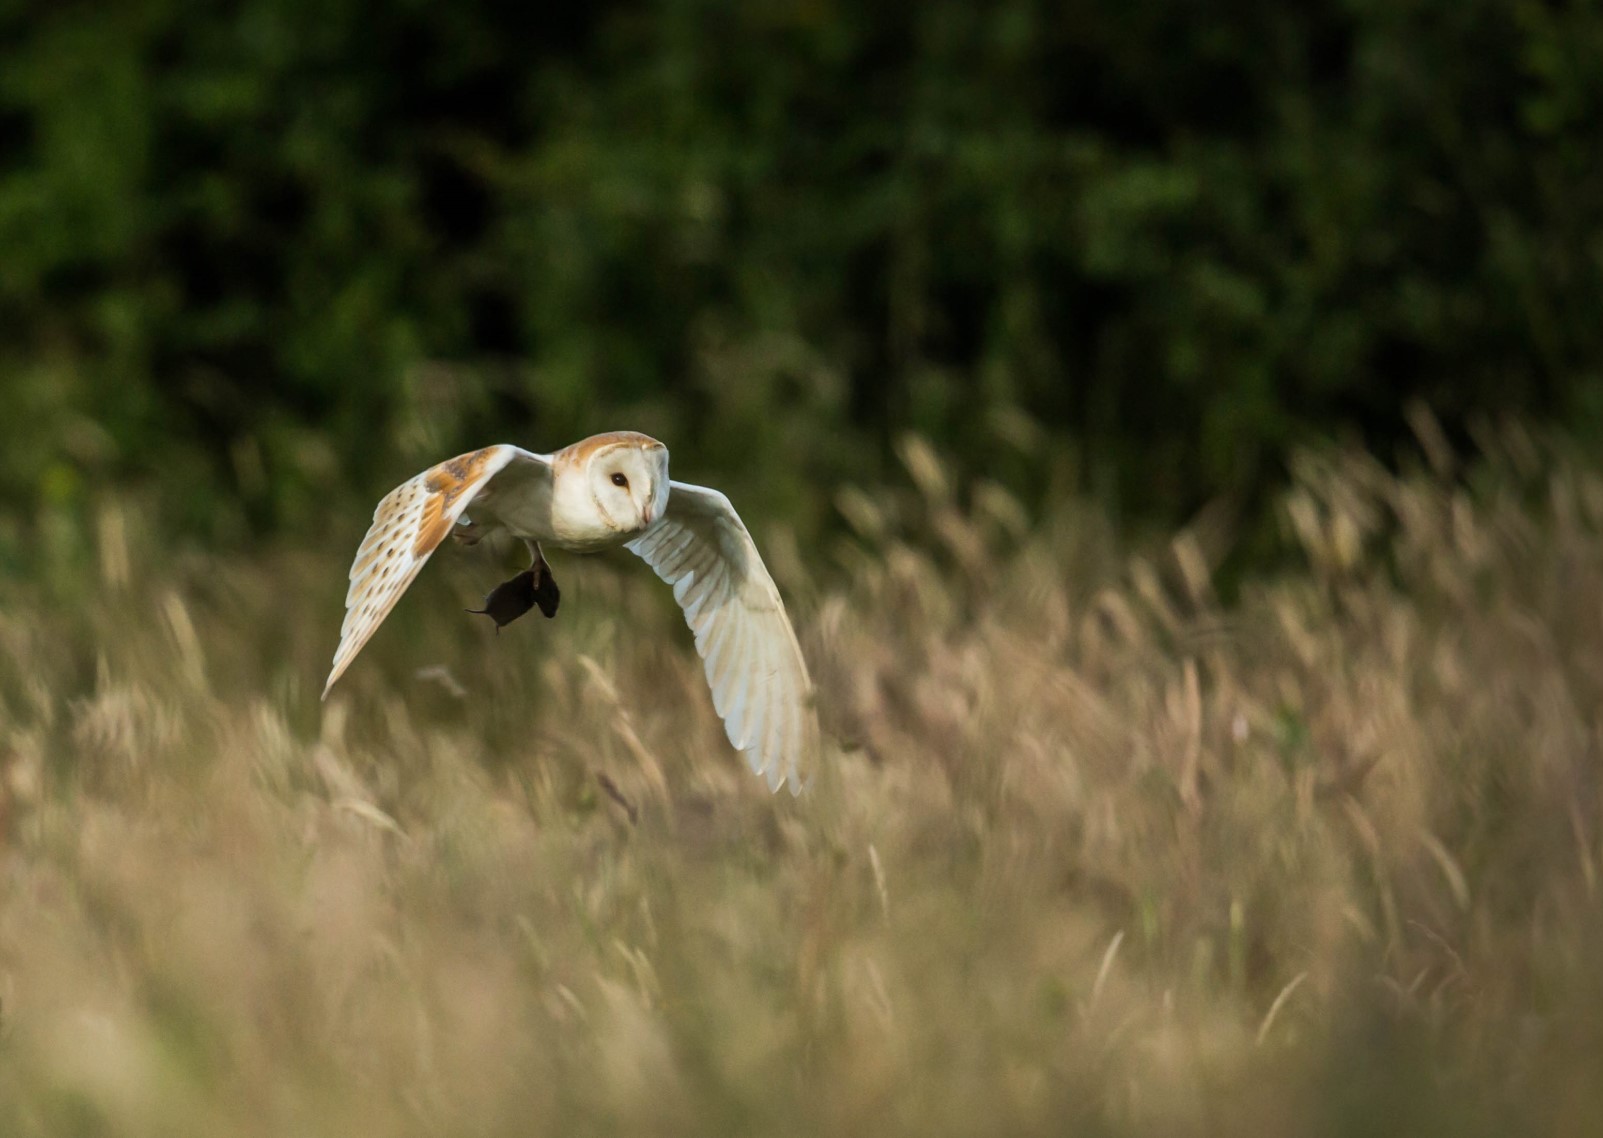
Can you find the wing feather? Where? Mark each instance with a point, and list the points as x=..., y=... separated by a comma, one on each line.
x=408, y=526
x=753, y=663
x=760, y=710
x=747, y=706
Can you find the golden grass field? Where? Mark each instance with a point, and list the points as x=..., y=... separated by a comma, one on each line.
x=1092, y=851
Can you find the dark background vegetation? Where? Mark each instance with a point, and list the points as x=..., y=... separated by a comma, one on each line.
x=264, y=258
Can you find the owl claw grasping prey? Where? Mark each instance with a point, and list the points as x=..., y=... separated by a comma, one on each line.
x=601, y=492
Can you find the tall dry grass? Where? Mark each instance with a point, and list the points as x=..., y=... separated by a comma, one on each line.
x=1093, y=851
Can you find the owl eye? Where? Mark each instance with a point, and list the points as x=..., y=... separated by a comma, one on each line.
x=619, y=480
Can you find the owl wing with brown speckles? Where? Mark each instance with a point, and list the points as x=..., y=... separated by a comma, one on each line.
x=408, y=526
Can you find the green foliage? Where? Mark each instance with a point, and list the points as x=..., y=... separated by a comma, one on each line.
x=254, y=254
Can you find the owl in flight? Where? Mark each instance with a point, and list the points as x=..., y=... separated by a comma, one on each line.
x=604, y=491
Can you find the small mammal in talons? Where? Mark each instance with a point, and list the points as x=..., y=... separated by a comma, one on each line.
x=511, y=599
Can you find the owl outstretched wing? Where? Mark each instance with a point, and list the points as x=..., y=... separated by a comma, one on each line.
x=754, y=666
x=408, y=526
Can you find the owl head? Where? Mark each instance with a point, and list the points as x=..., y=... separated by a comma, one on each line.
x=628, y=481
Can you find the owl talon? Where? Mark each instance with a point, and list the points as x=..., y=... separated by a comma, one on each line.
x=546, y=593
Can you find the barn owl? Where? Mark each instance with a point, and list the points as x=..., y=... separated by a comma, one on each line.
x=605, y=491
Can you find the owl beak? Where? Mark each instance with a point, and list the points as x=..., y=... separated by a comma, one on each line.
x=646, y=515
